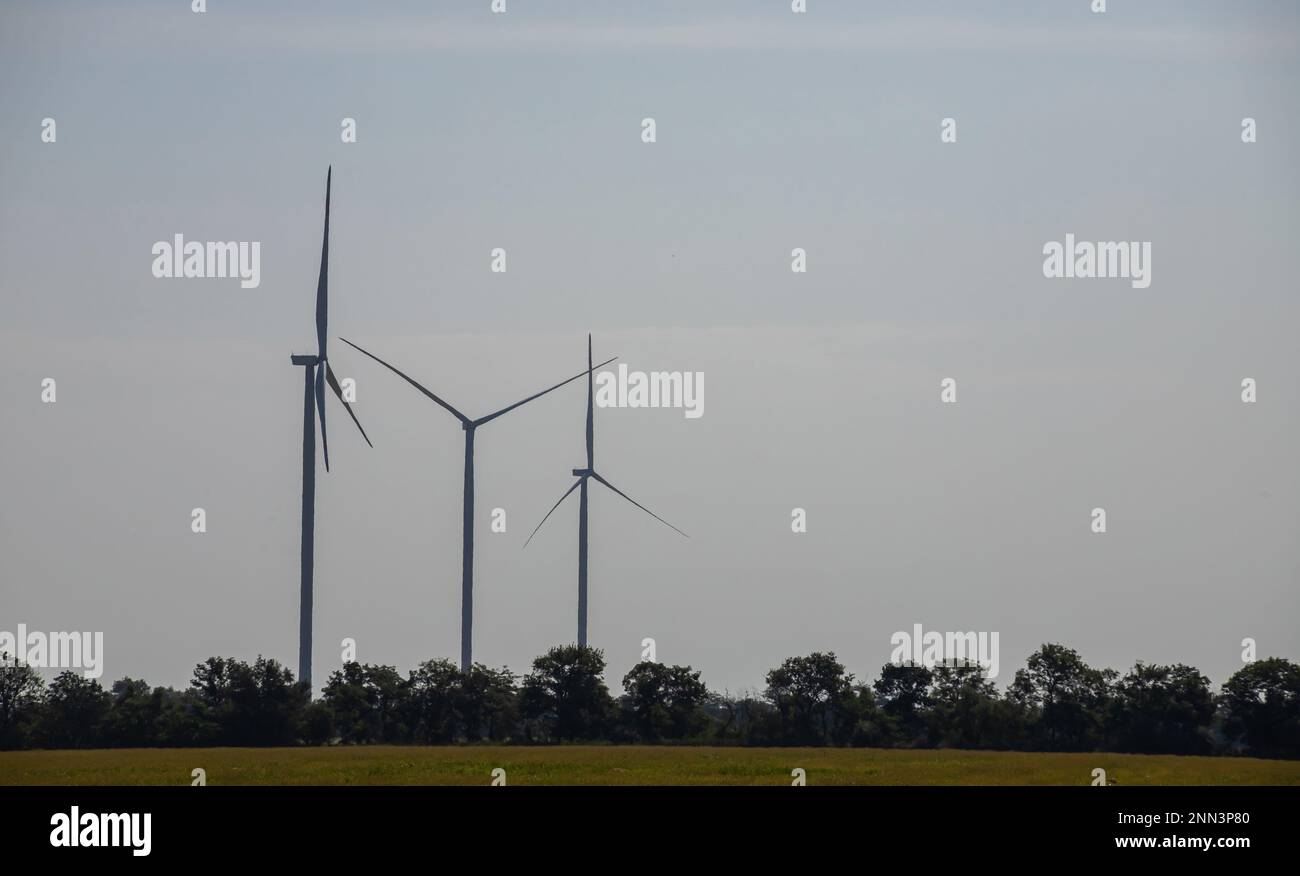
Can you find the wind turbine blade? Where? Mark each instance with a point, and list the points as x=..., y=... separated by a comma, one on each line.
x=455, y=413
x=591, y=418
x=639, y=505
x=553, y=507
x=320, y=412
x=334, y=385
x=481, y=420
x=322, y=284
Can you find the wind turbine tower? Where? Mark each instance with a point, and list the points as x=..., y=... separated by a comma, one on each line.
x=467, y=520
x=316, y=373
x=583, y=475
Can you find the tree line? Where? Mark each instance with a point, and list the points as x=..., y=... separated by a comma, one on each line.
x=1057, y=702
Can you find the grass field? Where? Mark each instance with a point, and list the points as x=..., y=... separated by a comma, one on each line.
x=623, y=765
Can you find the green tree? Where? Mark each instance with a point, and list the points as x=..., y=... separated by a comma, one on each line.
x=488, y=703
x=349, y=703
x=565, y=697
x=447, y=705
x=744, y=719
x=249, y=704
x=872, y=727
x=1162, y=710
x=390, y=693
x=134, y=713
x=182, y=719
x=434, y=691
x=73, y=713
x=369, y=703
x=664, y=702
x=966, y=711
x=1261, y=703
x=814, y=698
x=21, y=692
x=318, y=723
x=1066, y=698
x=903, y=693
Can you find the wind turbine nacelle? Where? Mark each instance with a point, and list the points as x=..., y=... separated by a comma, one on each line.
x=582, y=472
x=304, y=360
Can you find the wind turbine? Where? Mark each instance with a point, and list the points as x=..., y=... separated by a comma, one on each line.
x=583, y=475
x=467, y=524
x=316, y=373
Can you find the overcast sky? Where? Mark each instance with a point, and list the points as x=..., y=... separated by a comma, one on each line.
x=774, y=131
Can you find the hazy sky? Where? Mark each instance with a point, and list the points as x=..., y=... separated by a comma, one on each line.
x=774, y=131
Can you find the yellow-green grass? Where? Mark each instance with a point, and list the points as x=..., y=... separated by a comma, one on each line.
x=623, y=765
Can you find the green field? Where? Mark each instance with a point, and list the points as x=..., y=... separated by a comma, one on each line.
x=623, y=765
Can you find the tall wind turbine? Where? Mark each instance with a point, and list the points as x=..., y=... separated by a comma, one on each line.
x=467, y=524
x=583, y=475
x=316, y=373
